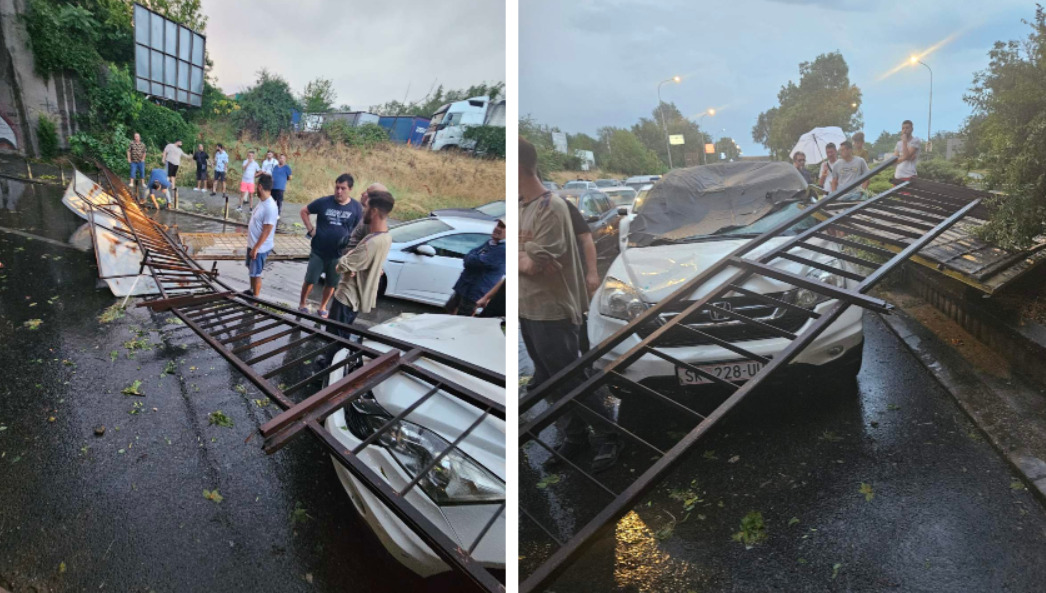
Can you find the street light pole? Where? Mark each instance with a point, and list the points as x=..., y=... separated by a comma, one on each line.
x=929, y=117
x=661, y=109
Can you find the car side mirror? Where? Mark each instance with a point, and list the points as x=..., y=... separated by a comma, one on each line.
x=622, y=211
x=426, y=250
x=592, y=219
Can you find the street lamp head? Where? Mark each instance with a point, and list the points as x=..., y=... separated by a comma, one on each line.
x=913, y=60
x=854, y=105
x=711, y=112
x=676, y=79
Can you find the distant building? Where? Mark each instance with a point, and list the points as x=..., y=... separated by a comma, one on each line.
x=588, y=159
x=953, y=148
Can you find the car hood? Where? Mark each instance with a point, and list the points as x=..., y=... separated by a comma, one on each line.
x=461, y=212
x=659, y=271
x=479, y=341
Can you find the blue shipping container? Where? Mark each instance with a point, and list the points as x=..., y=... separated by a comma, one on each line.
x=404, y=128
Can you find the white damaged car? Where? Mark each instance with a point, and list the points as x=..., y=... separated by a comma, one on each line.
x=689, y=221
x=467, y=487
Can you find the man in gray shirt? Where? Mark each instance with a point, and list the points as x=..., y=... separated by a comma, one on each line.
x=848, y=169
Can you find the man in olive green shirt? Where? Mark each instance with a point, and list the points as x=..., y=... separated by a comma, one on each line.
x=552, y=299
x=360, y=268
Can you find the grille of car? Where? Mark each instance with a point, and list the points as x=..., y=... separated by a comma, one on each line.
x=728, y=329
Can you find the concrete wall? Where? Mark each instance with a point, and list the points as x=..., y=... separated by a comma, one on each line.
x=25, y=96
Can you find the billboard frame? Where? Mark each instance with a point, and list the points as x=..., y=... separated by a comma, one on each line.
x=179, y=56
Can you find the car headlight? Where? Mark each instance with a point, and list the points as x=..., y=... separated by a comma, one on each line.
x=456, y=479
x=620, y=300
x=810, y=299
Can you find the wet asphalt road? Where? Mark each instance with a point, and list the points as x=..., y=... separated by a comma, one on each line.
x=946, y=513
x=125, y=511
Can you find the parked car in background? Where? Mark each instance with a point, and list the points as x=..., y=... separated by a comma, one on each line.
x=602, y=217
x=467, y=487
x=550, y=185
x=622, y=196
x=580, y=184
x=427, y=256
x=630, y=213
x=680, y=233
x=637, y=181
x=604, y=183
x=488, y=211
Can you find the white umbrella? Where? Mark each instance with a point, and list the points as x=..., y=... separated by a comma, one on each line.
x=813, y=142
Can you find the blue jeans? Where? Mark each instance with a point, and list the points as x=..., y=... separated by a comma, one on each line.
x=254, y=266
x=140, y=168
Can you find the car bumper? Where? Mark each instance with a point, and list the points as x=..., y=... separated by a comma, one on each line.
x=832, y=345
x=398, y=539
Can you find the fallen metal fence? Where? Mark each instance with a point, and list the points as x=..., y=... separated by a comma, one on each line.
x=251, y=334
x=910, y=216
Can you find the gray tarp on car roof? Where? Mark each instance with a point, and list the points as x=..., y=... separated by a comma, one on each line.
x=702, y=200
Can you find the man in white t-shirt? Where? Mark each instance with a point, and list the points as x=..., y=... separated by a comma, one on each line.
x=826, y=177
x=250, y=171
x=172, y=157
x=907, y=152
x=269, y=162
x=848, y=169
x=260, y=233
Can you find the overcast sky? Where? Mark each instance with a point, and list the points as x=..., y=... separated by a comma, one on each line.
x=591, y=63
x=371, y=50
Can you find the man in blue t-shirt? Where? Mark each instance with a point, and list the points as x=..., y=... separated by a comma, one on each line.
x=281, y=174
x=158, y=186
x=336, y=216
x=221, y=168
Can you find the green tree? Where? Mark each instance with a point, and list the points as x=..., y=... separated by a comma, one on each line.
x=266, y=107
x=318, y=96
x=885, y=143
x=727, y=146
x=652, y=134
x=824, y=96
x=629, y=156
x=1006, y=134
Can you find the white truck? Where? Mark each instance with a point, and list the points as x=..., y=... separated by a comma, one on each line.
x=448, y=124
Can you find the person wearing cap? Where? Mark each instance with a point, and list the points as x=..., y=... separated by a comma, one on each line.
x=484, y=268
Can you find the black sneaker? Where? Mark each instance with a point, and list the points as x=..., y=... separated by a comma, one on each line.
x=570, y=450
x=606, y=456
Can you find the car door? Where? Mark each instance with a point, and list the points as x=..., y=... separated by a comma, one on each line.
x=602, y=219
x=430, y=278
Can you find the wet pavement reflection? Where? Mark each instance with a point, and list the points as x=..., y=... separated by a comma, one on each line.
x=870, y=485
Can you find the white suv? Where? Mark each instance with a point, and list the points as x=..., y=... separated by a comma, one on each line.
x=643, y=275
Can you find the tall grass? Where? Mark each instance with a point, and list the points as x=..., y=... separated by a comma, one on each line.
x=420, y=180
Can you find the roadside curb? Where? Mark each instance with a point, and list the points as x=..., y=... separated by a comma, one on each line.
x=999, y=409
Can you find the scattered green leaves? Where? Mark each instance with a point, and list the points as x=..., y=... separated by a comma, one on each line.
x=261, y=403
x=213, y=495
x=169, y=368
x=300, y=514
x=867, y=491
x=548, y=481
x=174, y=321
x=793, y=521
x=220, y=419
x=688, y=497
x=134, y=388
x=835, y=570
x=241, y=389
x=112, y=313
x=753, y=530
x=33, y=324
x=893, y=407
x=136, y=408
x=1017, y=485
x=137, y=344
x=114, y=355
x=830, y=436
x=709, y=455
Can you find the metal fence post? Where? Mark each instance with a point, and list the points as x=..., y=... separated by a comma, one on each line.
x=174, y=192
x=28, y=169
x=226, y=215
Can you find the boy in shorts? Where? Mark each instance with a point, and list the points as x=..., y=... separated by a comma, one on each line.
x=250, y=171
x=260, y=233
x=221, y=164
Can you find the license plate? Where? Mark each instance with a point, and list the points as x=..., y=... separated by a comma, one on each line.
x=730, y=371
